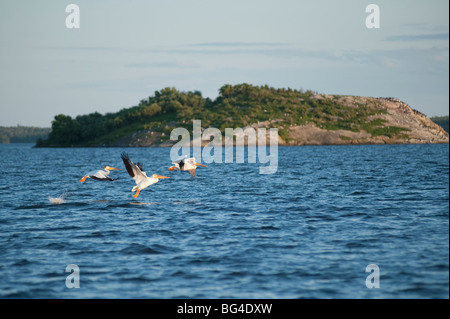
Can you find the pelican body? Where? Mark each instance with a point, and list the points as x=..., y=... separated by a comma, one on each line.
x=101, y=175
x=138, y=174
x=186, y=164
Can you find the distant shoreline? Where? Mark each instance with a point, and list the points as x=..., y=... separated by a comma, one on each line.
x=22, y=134
x=279, y=145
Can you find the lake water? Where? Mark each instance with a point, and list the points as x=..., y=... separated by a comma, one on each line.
x=308, y=231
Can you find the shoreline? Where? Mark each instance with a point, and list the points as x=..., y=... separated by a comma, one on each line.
x=202, y=146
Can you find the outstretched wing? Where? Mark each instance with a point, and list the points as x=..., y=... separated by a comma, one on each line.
x=104, y=178
x=181, y=160
x=100, y=175
x=139, y=165
x=133, y=170
x=128, y=164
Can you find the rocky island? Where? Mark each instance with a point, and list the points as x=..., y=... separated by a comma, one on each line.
x=301, y=117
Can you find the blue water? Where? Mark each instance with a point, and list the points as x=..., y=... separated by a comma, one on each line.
x=308, y=231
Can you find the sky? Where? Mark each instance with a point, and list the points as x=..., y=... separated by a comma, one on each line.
x=124, y=51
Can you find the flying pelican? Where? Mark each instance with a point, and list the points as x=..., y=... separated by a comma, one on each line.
x=101, y=174
x=140, y=177
x=186, y=164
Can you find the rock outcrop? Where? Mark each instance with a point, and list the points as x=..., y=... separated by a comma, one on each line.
x=418, y=128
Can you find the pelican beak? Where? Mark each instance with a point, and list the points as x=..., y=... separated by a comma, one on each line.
x=109, y=168
x=198, y=164
x=160, y=177
x=83, y=179
x=171, y=168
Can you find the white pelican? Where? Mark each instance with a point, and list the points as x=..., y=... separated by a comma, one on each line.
x=139, y=176
x=186, y=164
x=101, y=174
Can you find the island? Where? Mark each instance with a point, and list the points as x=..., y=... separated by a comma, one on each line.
x=301, y=117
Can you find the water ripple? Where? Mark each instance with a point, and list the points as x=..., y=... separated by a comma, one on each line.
x=308, y=231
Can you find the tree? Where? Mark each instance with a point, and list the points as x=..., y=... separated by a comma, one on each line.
x=226, y=91
x=65, y=131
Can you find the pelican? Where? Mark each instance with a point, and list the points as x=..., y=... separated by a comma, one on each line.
x=101, y=174
x=186, y=164
x=140, y=177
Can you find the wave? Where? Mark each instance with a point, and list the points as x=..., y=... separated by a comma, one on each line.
x=131, y=204
x=139, y=249
x=49, y=205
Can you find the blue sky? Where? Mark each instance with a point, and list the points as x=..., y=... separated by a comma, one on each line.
x=126, y=50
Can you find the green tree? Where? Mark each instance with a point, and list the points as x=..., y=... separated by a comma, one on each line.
x=65, y=131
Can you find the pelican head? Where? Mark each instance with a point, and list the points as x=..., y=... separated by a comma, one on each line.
x=159, y=176
x=109, y=168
